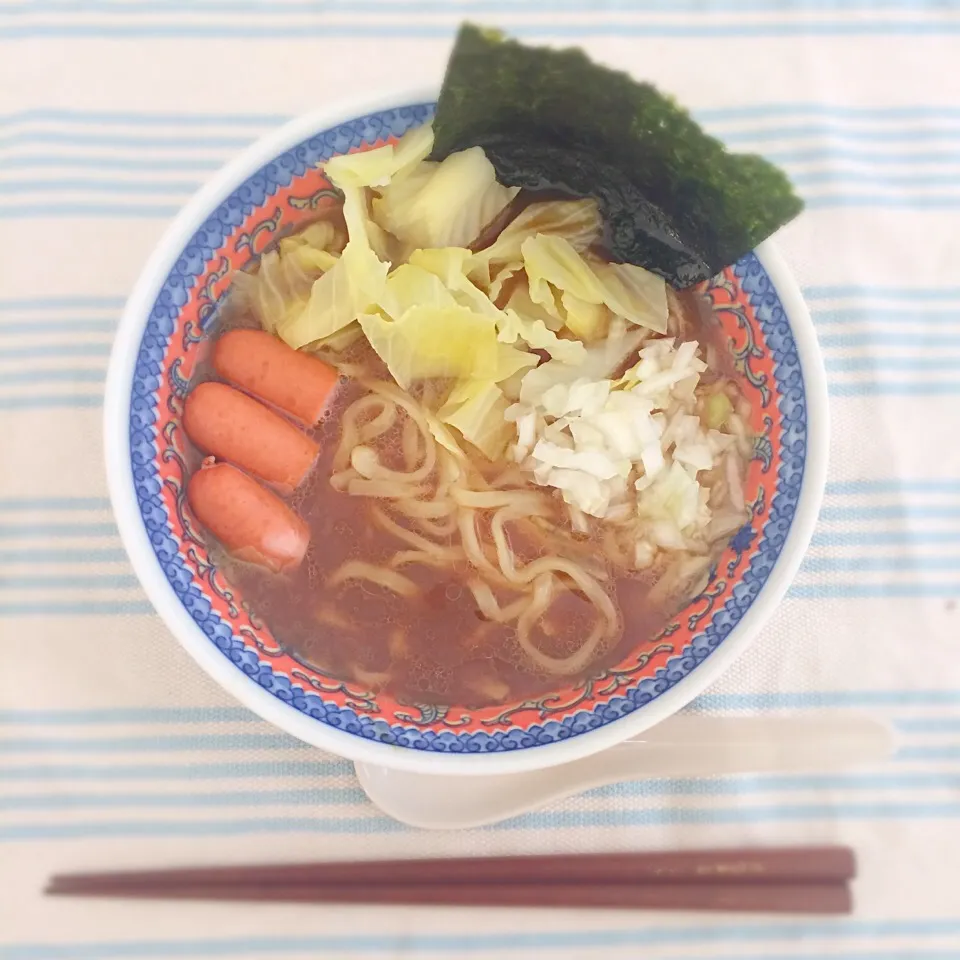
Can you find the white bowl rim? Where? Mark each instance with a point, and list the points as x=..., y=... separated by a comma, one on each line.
x=178, y=620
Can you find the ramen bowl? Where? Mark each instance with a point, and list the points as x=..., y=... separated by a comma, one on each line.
x=270, y=189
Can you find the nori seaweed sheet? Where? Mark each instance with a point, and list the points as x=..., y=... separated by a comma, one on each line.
x=673, y=199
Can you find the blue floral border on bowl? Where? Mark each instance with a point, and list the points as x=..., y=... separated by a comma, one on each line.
x=160, y=326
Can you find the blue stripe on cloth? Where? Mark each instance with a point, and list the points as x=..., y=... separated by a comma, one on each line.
x=61, y=303
x=153, y=118
x=66, y=555
x=158, y=743
x=892, y=388
x=882, y=485
x=81, y=325
x=78, y=608
x=340, y=795
x=199, y=800
x=888, y=338
x=271, y=29
x=899, y=562
x=890, y=364
x=945, y=751
x=892, y=511
x=715, y=115
x=842, y=291
x=872, y=591
x=299, y=8
x=98, y=185
x=140, y=772
x=363, y=945
x=901, y=314
x=72, y=717
x=879, y=200
x=106, y=162
x=34, y=530
x=58, y=375
x=827, y=698
x=116, y=140
x=44, y=350
x=45, y=581
x=877, y=538
x=839, y=128
x=61, y=209
x=471, y=942
x=831, y=151
x=556, y=820
x=861, y=178
x=54, y=503
x=53, y=402
x=929, y=724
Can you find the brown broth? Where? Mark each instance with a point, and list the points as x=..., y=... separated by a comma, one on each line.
x=436, y=648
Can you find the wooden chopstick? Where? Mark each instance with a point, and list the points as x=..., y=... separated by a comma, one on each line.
x=818, y=898
x=797, y=879
x=767, y=865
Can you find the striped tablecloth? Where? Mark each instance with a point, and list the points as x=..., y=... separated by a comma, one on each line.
x=115, y=750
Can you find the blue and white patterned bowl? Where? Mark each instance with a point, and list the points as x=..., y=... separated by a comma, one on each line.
x=274, y=185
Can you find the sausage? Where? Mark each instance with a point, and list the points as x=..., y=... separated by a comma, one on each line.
x=252, y=523
x=231, y=426
x=261, y=364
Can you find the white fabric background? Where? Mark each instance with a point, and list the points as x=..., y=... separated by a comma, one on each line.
x=115, y=750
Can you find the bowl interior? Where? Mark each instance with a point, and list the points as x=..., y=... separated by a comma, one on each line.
x=289, y=191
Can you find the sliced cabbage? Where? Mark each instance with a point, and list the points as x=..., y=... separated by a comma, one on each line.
x=503, y=275
x=476, y=409
x=521, y=303
x=279, y=290
x=600, y=361
x=552, y=263
x=588, y=435
x=320, y=235
x=267, y=293
x=634, y=293
x=512, y=360
x=345, y=291
x=408, y=286
x=430, y=341
x=662, y=370
x=674, y=496
x=443, y=204
x=581, y=490
x=308, y=260
x=451, y=265
x=588, y=321
x=535, y=333
x=582, y=398
x=595, y=462
x=578, y=221
x=376, y=168
x=629, y=291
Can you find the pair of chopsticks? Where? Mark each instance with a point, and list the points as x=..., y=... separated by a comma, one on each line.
x=771, y=880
